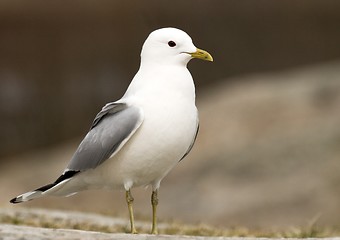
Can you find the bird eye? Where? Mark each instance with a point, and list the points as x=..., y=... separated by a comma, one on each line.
x=171, y=44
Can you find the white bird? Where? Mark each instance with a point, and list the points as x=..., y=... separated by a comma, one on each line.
x=138, y=139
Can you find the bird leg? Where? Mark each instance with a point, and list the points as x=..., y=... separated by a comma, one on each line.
x=154, y=203
x=129, y=200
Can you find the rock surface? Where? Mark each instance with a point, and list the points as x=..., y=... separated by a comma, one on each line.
x=12, y=232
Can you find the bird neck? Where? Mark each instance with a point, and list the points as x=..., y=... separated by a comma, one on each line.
x=162, y=80
x=164, y=63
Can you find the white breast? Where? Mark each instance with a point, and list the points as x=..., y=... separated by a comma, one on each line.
x=168, y=128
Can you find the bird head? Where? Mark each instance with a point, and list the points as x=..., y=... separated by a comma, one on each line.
x=171, y=46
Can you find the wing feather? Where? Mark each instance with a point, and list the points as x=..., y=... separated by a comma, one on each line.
x=193, y=140
x=111, y=129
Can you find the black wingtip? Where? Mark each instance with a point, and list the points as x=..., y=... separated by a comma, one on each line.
x=14, y=200
x=28, y=197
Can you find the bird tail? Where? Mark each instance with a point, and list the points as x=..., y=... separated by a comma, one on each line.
x=49, y=189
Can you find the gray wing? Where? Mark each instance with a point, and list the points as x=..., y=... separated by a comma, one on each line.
x=193, y=140
x=110, y=130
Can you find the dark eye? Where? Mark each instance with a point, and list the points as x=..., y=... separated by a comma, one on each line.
x=171, y=44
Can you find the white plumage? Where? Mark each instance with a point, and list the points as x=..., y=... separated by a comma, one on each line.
x=138, y=139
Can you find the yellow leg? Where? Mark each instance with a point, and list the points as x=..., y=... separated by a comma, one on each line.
x=129, y=200
x=154, y=202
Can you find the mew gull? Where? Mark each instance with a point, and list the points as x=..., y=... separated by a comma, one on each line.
x=138, y=139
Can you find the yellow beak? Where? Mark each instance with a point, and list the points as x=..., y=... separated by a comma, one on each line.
x=201, y=54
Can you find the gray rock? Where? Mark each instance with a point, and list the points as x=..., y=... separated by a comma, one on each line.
x=12, y=232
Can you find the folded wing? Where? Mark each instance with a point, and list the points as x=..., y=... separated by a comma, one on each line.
x=111, y=129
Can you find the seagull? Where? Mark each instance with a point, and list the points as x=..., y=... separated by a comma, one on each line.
x=138, y=139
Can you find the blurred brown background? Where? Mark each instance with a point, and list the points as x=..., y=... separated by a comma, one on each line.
x=268, y=153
